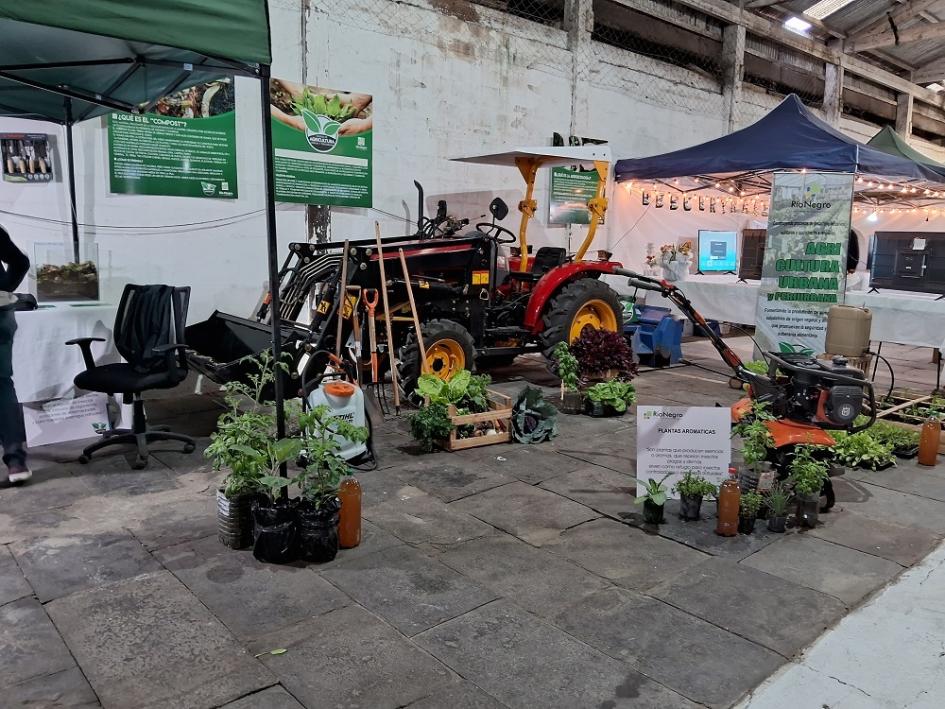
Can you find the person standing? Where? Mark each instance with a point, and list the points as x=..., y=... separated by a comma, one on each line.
x=13, y=267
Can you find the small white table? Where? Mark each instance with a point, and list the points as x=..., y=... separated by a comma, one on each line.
x=43, y=366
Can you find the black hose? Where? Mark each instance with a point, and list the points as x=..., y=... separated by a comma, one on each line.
x=892, y=374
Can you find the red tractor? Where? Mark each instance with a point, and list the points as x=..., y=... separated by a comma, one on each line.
x=476, y=304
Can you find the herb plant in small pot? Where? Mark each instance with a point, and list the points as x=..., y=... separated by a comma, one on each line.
x=243, y=433
x=568, y=369
x=777, y=501
x=653, y=500
x=602, y=355
x=748, y=506
x=691, y=489
x=430, y=424
x=609, y=398
x=323, y=469
x=807, y=475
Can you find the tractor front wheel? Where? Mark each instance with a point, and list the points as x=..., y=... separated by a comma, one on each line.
x=449, y=349
x=584, y=302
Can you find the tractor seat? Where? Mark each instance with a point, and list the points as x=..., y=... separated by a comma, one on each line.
x=548, y=257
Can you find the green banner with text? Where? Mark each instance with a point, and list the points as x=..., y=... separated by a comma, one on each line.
x=804, y=271
x=570, y=191
x=322, y=141
x=186, y=148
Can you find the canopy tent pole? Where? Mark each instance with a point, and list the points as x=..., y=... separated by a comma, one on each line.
x=73, y=214
x=273, y=247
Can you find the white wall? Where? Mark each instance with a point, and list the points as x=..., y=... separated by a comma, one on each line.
x=443, y=87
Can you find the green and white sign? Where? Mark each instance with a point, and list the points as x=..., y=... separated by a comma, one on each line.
x=570, y=191
x=804, y=269
x=186, y=149
x=322, y=143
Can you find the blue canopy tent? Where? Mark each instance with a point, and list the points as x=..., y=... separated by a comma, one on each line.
x=789, y=137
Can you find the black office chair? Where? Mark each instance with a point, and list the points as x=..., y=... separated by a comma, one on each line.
x=149, y=335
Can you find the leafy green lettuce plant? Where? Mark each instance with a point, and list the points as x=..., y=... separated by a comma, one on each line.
x=654, y=491
x=615, y=393
x=861, y=450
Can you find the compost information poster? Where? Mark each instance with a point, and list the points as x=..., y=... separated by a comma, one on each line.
x=570, y=191
x=674, y=440
x=804, y=269
x=186, y=148
x=322, y=144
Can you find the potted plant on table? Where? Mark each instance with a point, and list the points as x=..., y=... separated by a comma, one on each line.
x=568, y=369
x=691, y=489
x=603, y=355
x=807, y=475
x=749, y=504
x=609, y=398
x=653, y=500
x=322, y=471
x=777, y=501
x=757, y=445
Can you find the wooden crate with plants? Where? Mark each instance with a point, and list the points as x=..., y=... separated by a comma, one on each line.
x=910, y=411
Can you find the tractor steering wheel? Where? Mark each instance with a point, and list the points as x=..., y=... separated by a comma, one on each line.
x=488, y=227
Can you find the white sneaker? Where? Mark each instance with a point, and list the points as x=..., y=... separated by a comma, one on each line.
x=21, y=475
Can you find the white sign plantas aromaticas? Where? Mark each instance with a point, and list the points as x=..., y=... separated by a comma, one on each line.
x=674, y=440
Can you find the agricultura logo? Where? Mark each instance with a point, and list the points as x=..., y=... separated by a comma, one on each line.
x=209, y=188
x=321, y=132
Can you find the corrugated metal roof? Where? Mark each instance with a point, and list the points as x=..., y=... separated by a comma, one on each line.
x=860, y=13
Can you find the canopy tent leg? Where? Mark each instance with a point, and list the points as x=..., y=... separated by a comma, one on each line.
x=73, y=214
x=273, y=249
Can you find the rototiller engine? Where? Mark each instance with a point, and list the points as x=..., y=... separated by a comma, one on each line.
x=807, y=397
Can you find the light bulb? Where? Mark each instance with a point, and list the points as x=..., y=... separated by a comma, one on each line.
x=874, y=217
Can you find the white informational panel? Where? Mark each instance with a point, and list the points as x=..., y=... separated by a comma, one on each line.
x=675, y=440
x=804, y=269
x=63, y=420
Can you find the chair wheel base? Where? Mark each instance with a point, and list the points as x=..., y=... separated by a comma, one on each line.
x=84, y=459
x=189, y=448
x=139, y=463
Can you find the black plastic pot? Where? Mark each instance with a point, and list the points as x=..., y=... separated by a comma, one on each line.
x=318, y=529
x=906, y=453
x=746, y=524
x=808, y=507
x=652, y=513
x=777, y=524
x=573, y=403
x=597, y=409
x=689, y=507
x=235, y=520
x=275, y=531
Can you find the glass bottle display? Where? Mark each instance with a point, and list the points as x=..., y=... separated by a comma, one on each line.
x=349, y=525
x=929, y=442
x=729, y=498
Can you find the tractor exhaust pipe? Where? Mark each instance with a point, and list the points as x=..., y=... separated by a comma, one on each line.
x=419, y=206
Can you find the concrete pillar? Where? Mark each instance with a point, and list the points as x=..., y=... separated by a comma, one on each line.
x=579, y=22
x=833, y=94
x=904, y=116
x=733, y=71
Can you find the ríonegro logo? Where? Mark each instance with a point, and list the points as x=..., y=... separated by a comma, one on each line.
x=647, y=415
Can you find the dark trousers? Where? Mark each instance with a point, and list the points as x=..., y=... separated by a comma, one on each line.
x=12, y=431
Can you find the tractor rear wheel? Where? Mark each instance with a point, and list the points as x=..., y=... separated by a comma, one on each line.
x=584, y=302
x=449, y=348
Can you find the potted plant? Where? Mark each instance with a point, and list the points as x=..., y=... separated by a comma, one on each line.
x=430, y=424
x=904, y=442
x=757, y=445
x=322, y=471
x=243, y=431
x=777, y=501
x=603, y=355
x=691, y=489
x=807, y=475
x=653, y=500
x=609, y=398
x=748, y=506
x=568, y=369
x=861, y=450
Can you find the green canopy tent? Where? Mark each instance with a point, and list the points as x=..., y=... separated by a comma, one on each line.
x=65, y=61
x=889, y=141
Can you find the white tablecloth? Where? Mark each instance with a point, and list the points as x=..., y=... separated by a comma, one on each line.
x=898, y=316
x=43, y=367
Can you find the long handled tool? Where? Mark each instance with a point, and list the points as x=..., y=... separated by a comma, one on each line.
x=370, y=296
x=387, y=325
x=356, y=330
x=413, y=310
x=342, y=295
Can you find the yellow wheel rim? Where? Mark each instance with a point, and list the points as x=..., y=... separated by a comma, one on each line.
x=445, y=358
x=596, y=313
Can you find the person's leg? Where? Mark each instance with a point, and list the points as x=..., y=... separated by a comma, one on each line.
x=12, y=431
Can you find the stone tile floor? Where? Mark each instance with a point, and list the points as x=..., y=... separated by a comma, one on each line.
x=508, y=576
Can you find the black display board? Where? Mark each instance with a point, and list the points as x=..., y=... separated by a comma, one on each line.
x=753, y=254
x=910, y=261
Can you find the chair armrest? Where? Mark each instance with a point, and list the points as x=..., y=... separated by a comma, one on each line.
x=169, y=350
x=85, y=344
